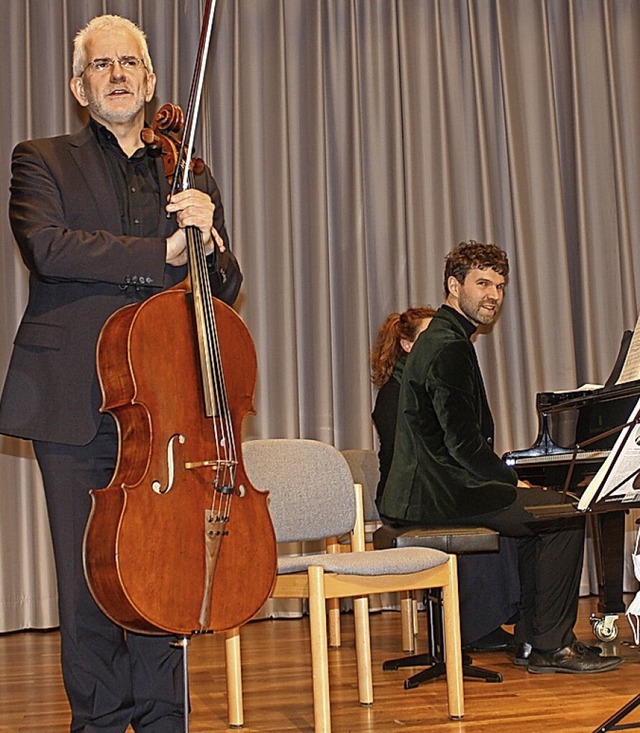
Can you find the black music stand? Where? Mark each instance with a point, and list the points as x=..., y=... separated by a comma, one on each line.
x=611, y=488
x=621, y=486
x=612, y=722
x=614, y=485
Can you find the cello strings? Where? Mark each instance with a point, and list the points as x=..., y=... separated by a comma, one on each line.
x=224, y=439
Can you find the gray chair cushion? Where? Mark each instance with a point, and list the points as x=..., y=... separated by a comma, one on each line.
x=373, y=562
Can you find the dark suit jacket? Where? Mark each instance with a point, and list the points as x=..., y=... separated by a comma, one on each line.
x=65, y=218
x=444, y=466
x=384, y=418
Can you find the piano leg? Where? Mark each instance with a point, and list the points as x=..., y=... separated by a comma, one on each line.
x=608, y=540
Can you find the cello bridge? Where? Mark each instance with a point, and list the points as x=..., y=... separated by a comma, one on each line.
x=217, y=465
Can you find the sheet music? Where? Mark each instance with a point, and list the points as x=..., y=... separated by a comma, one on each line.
x=582, y=388
x=631, y=367
x=614, y=479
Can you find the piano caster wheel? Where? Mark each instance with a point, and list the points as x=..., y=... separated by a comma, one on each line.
x=604, y=629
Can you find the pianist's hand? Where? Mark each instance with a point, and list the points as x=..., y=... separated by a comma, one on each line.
x=525, y=484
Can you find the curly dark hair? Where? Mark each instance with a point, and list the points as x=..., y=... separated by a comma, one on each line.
x=387, y=349
x=472, y=255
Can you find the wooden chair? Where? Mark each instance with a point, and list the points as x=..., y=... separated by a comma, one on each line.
x=313, y=497
x=365, y=470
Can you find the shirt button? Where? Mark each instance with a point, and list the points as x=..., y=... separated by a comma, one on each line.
x=133, y=189
x=136, y=221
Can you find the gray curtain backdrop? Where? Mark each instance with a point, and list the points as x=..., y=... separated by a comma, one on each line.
x=355, y=142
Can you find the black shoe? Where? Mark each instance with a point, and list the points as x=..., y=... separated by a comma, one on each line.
x=523, y=652
x=573, y=659
x=494, y=641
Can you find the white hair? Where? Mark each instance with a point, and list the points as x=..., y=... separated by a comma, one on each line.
x=106, y=23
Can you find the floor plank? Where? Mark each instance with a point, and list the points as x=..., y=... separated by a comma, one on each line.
x=277, y=681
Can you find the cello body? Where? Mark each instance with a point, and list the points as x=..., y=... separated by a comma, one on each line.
x=154, y=559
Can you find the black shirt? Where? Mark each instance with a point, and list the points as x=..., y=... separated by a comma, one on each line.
x=136, y=183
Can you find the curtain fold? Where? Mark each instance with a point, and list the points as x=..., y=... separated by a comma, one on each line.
x=355, y=142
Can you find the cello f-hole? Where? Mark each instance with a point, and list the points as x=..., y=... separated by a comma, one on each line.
x=171, y=465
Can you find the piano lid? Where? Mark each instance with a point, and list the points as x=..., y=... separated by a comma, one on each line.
x=550, y=402
x=620, y=382
x=579, y=427
x=630, y=370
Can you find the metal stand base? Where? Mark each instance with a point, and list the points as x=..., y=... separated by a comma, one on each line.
x=611, y=723
x=434, y=659
x=436, y=667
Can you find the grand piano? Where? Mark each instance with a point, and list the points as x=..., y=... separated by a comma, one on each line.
x=576, y=431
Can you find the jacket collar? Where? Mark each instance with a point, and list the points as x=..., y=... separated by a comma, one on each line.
x=453, y=316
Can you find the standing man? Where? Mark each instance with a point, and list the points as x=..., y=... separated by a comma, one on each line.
x=89, y=214
x=445, y=471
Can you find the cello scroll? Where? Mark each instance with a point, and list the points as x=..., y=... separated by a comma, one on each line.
x=164, y=138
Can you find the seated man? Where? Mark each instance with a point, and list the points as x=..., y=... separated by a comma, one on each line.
x=489, y=586
x=445, y=471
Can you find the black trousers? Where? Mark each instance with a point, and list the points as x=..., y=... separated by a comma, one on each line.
x=550, y=554
x=489, y=590
x=112, y=678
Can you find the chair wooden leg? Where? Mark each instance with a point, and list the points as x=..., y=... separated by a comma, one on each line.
x=408, y=623
x=333, y=604
x=234, y=678
x=333, y=614
x=319, y=651
x=453, y=642
x=363, y=649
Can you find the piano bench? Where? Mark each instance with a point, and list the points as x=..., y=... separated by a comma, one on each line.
x=455, y=540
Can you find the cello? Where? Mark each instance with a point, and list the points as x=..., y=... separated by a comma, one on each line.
x=179, y=542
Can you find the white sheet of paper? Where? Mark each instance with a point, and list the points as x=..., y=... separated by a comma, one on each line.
x=631, y=367
x=613, y=481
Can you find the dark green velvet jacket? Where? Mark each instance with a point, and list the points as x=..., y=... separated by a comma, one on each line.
x=444, y=466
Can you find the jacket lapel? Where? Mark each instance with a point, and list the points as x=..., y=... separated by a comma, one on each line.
x=94, y=172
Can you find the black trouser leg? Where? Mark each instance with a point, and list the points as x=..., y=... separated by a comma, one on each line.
x=111, y=678
x=550, y=566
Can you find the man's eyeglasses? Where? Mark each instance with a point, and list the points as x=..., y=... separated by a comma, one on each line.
x=101, y=66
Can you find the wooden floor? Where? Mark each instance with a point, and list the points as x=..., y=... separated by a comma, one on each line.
x=277, y=683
